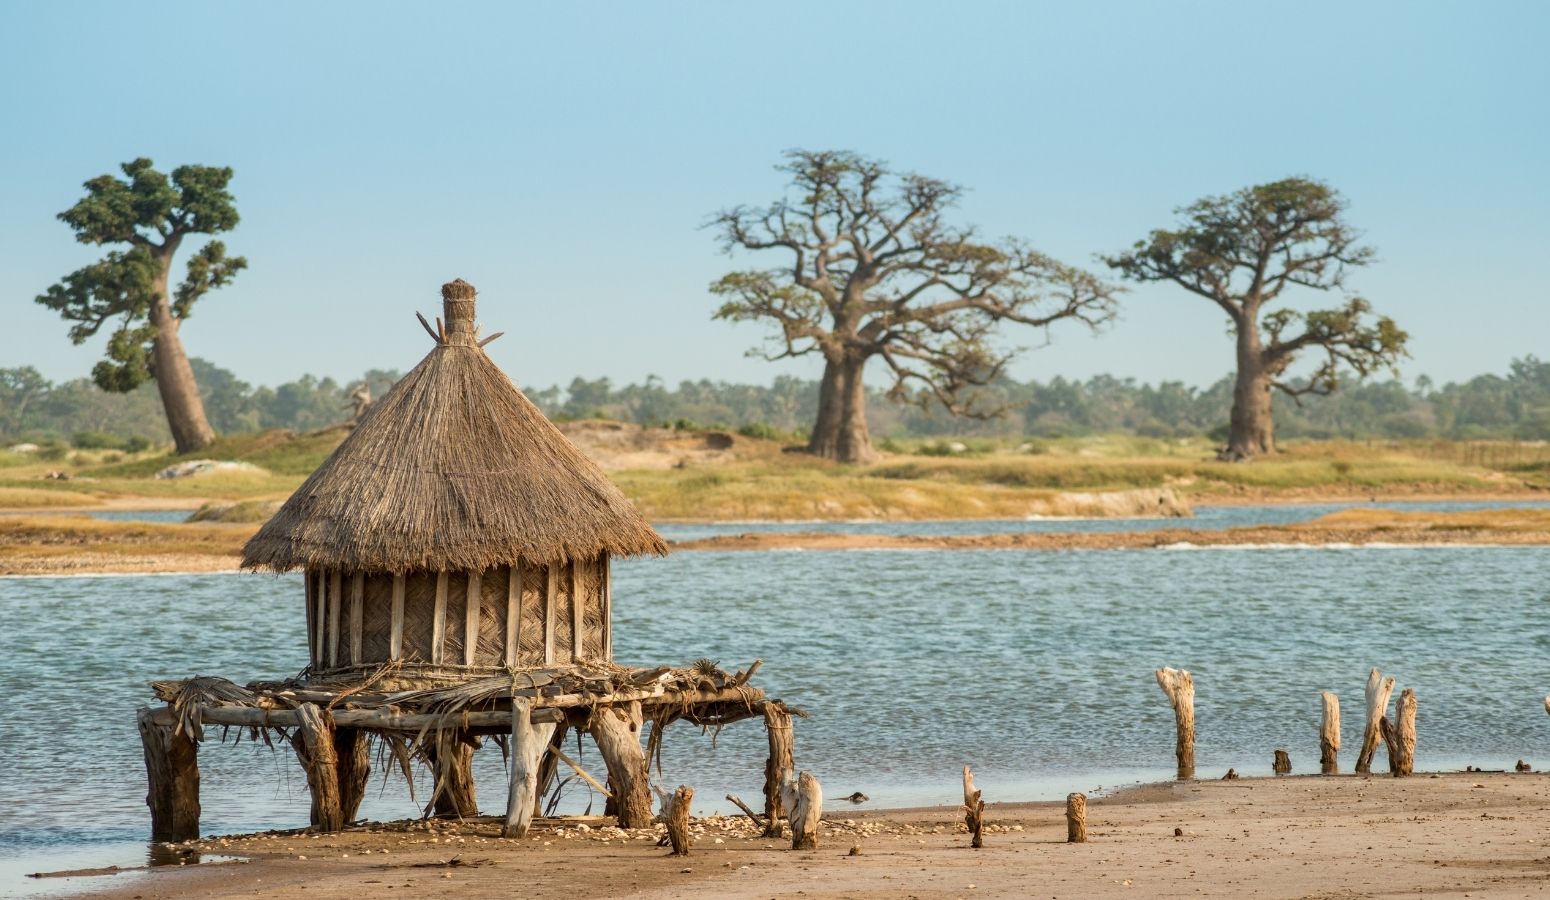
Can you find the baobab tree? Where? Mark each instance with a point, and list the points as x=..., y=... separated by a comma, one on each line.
x=152, y=214
x=872, y=270
x=1243, y=252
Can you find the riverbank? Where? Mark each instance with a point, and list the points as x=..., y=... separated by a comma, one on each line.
x=57, y=544
x=1349, y=836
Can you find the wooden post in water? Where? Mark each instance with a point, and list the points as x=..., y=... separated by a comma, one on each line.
x=314, y=745
x=1378, y=691
x=1282, y=765
x=1076, y=818
x=778, y=767
x=1404, y=740
x=1329, y=735
x=973, y=810
x=529, y=743
x=616, y=729
x=1386, y=728
x=172, y=775
x=1180, y=688
x=677, y=817
x=804, y=800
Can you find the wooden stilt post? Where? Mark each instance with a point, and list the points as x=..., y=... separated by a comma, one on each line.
x=973, y=810
x=779, y=767
x=1180, y=688
x=616, y=729
x=172, y=774
x=1329, y=735
x=1404, y=739
x=314, y=744
x=677, y=817
x=1282, y=765
x=529, y=743
x=352, y=749
x=1076, y=818
x=453, y=763
x=549, y=767
x=804, y=798
x=1377, y=695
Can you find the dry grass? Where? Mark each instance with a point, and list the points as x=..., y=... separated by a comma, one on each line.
x=42, y=498
x=59, y=543
x=1525, y=520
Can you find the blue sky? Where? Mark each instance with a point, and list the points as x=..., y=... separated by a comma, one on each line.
x=562, y=157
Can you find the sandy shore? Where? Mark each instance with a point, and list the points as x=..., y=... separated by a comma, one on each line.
x=1453, y=835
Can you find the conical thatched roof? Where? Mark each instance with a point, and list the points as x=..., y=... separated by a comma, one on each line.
x=453, y=470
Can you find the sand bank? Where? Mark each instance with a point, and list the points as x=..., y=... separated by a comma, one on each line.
x=1475, y=834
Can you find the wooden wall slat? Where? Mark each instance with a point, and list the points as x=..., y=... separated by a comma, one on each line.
x=310, y=584
x=513, y=613
x=396, y=638
x=473, y=594
x=578, y=607
x=357, y=615
x=606, y=598
x=335, y=592
x=551, y=588
x=439, y=620
x=321, y=619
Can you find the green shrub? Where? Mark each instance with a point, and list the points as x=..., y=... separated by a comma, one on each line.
x=97, y=440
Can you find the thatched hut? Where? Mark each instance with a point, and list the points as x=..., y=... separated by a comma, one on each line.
x=456, y=531
x=456, y=550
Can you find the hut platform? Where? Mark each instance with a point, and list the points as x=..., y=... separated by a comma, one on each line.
x=331, y=722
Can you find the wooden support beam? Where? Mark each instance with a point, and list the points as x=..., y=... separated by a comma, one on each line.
x=778, y=766
x=357, y=616
x=529, y=742
x=172, y=774
x=616, y=729
x=1180, y=688
x=396, y=636
x=1329, y=735
x=352, y=749
x=439, y=621
x=551, y=587
x=804, y=797
x=606, y=597
x=473, y=595
x=1076, y=818
x=549, y=766
x=578, y=630
x=312, y=617
x=314, y=744
x=335, y=598
x=1377, y=696
x=513, y=613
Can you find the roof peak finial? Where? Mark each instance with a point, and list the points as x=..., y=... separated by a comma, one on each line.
x=457, y=300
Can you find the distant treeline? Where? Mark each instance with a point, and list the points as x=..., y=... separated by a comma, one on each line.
x=1515, y=406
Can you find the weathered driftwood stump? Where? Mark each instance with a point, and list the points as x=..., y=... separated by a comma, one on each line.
x=1377, y=696
x=529, y=744
x=803, y=798
x=1282, y=764
x=1329, y=735
x=452, y=760
x=1404, y=737
x=1386, y=728
x=973, y=810
x=1076, y=818
x=677, y=818
x=1180, y=688
x=314, y=744
x=616, y=729
x=778, y=767
x=172, y=776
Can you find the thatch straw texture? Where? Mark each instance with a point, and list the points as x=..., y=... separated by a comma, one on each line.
x=454, y=470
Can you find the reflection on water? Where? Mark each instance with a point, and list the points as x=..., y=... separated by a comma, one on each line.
x=1034, y=667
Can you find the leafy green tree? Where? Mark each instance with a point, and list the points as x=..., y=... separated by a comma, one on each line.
x=871, y=269
x=1242, y=252
x=152, y=214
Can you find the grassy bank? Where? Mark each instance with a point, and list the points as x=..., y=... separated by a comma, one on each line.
x=755, y=479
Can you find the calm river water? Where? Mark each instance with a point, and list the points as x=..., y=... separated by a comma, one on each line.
x=1034, y=667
